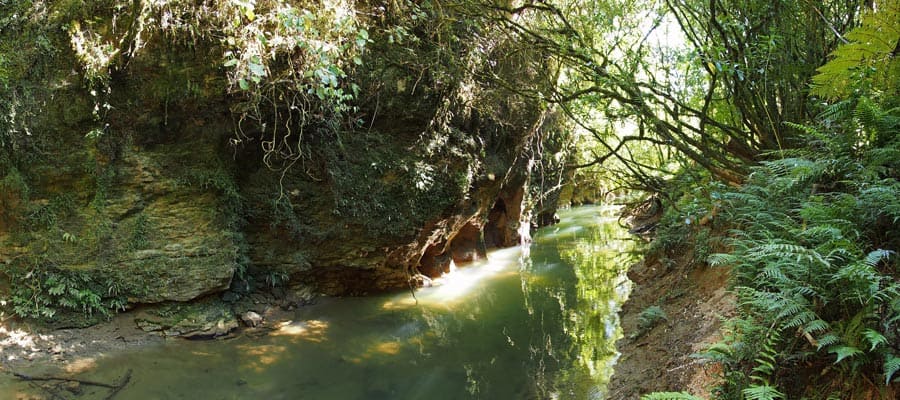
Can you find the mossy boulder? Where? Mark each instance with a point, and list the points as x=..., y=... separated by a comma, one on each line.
x=205, y=319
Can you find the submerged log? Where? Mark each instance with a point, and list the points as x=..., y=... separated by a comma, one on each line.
x=116, y=388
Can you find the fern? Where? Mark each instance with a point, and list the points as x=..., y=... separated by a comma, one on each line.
x=766, y=364
x=891, y=366
x=874, y=338
x=838, y=111
x=843, y=352
x=669, y=396
x=876, y=257
x=762, y=392
x=870, y=49
x=720, y=259
x=816, y=326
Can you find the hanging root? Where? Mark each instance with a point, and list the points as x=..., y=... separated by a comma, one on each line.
x=413, y=282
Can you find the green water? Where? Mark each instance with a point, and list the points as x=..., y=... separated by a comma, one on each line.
x=535, y=322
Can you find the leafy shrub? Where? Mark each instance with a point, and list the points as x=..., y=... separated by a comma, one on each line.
x=40, y=293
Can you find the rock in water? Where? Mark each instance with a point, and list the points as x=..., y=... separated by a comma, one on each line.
x=251, y=318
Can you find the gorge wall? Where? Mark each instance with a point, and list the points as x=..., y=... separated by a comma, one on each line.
x=137, y=164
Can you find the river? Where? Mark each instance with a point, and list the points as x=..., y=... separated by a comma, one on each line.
x=531, y=322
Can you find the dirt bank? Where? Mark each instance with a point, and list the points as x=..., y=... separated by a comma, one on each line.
x=657, y=357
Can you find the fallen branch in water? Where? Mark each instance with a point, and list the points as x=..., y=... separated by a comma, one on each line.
x=30, y=378
x=115, y=388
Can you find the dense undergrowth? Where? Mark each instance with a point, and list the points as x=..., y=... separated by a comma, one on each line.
x=811, y=237
x=812, y=241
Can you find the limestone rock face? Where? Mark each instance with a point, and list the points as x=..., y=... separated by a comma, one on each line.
x=187, y=251
x=137, y=205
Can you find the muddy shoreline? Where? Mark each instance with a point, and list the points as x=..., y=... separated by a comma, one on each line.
x=27, y=347
x=659, y=357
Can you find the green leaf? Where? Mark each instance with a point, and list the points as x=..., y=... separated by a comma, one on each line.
x=243, y=84
x=891, y=366
x=669, y=396
x=874, y=338
x=257, y=69
x=843, y=352
x=762, y=392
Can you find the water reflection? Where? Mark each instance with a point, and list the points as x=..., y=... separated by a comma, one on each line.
x=574, y=283
x=531, y=323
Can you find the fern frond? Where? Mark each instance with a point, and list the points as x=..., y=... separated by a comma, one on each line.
x=773, y=271
x=801, y=319
x=843, y=352
x=762, y=392
x=719, y=352
x=669, y=396
x=877, y=256
x=870, y=49
x=874, y=338
x=789, y=251
x=837, y=111
x=721, y=259
x=828, y=340
x=816, y=326
x=891, y=366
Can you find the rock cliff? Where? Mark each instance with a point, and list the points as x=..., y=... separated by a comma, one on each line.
x=164, y=175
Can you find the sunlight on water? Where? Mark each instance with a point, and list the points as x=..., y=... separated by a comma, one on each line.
x=312, y=330
x=452, y=289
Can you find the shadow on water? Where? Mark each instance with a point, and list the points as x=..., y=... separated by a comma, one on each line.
x=533, y=322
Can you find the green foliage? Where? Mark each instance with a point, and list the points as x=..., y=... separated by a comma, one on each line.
x=650, y=317
x=14, y=183
x=762, y=392
x=275, y=278
x=370, y=188
x=669, y=396
x=41, y=292
x=868, y=59
x=686, y=226
x=213, y=175
x=140, y=231
x=48, y=215
x=814, y=257
x=766, y=361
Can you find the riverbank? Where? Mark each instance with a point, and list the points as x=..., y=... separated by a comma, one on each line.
x=27, y=347
x=657, y=350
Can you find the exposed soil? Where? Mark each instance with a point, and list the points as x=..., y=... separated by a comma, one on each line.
x=24, y=345
x=659, y=358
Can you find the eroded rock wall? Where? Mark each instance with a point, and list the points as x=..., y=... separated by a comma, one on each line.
x=150, y=185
